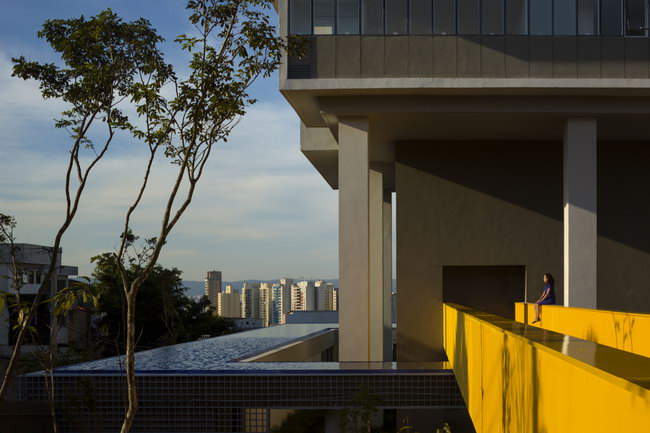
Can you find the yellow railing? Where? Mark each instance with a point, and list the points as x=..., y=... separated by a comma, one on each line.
x=517, y=378
x=624, y=331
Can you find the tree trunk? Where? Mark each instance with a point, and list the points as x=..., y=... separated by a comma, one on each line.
x=130, y=362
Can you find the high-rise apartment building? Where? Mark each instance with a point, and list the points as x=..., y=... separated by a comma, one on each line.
x=281, y=302
x=213, y=286
x=266, y=304
x=324, y=295
x=303, y=296
x=250, y=300
x=229, y=303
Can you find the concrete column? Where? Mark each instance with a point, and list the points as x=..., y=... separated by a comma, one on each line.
x=580, y=213
x=361, y=247
x=388, y=274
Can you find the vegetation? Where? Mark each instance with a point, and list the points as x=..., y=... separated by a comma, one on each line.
x=164, y=315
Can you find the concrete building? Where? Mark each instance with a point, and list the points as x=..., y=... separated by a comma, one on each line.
x=513, y=138
x=229, y=303
x=324, y=295
x=510, y=135
x=33, y=261
x=303, y=296
x=213, y=286
x=281, y=302
x=266, y=304
x=250, y=300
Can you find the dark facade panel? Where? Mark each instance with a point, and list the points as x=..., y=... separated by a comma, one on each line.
x=420, y=56
x=541, y=57
x=348, y=57
x=468, y=56
x=517, y=57
x=396, y=56
x=444, y=56
x=493, y=57
x=565, y=57
x=612, y=58
x=372, y=56
x=588, y=58
x=636, y=58
x=325, y=57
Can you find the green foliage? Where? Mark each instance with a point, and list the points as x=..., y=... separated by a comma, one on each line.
x=363, y=407
x=103, y=60
x=164, y=315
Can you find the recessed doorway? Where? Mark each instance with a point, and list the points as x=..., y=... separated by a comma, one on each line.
x=493, y=289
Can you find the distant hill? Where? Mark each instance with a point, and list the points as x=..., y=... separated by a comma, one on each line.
x=196, y=288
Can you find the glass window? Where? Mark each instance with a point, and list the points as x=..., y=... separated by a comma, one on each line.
x=300, y=17
x=636, y=15
x=372, y=13
x=564, y=17
x=348, y=17
x=323, y=17
x=396, y=17
x=541, y=17
x=444, y=17
x=516, y=17
x=611, y=12
x=492, y=17
x=468, y=17
x=587, y=17
x=420, y=17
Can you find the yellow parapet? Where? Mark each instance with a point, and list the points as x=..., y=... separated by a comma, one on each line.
x=624, y=331
x=522, y=379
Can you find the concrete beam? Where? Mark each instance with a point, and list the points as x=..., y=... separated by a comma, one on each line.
x=580, y=213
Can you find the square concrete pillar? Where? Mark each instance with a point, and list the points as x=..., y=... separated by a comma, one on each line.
x=580, y=212
x=364, y=322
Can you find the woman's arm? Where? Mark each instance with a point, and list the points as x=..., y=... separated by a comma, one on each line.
x=545, y=294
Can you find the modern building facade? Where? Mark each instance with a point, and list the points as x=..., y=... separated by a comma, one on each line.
x=213, y=282
x=32, y=262
x=250, y=300
x=513, y=136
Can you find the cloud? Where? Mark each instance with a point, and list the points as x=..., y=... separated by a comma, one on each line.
x=261, y=210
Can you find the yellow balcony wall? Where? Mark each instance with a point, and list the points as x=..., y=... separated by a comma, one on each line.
x=518, y=378
x=624, y=331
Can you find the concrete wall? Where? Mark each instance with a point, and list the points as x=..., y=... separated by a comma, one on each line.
x=473, y=56
x=500, y=204
x=480, y=204
x=624, y=226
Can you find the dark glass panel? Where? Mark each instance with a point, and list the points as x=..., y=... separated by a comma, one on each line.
x=396, y=17
x=444, y=17
x=469, y=17
x=300, y=17
x=420, y=12
x=635, y=17
x=492, y=17
x=564, y=17
x=516, y=17
x=611, y=21
x=323, y=17
x=541, y=17
x=372, y=13
x=347, y=22
x=587, y=17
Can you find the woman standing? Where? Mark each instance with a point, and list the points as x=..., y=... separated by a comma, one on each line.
x=548, y=296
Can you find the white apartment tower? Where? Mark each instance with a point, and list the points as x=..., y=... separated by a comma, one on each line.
x=250, y=300
x=324, y=295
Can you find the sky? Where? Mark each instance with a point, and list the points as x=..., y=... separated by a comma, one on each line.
x=261, y=210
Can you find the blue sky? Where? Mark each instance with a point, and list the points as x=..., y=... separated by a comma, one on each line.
x=261, y=211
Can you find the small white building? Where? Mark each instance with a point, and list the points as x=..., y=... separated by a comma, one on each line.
x=32, y=262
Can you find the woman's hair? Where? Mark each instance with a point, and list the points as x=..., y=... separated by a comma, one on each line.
x=550, y=279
